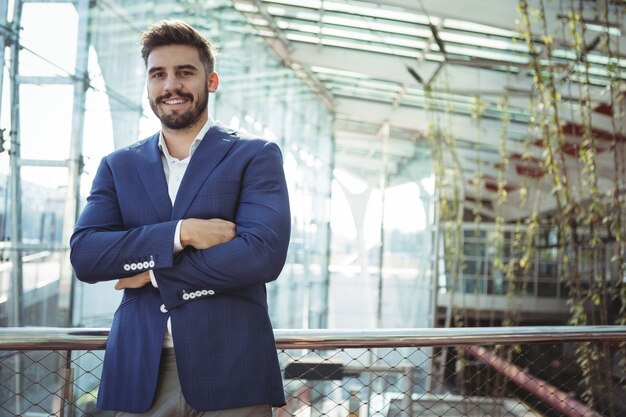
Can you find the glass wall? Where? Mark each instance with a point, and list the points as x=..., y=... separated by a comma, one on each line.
x=261, y=95
x=36, y=108
x=257, y=94
x=383, y=279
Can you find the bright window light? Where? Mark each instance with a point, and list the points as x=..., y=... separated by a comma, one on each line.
x=352, y=34
x=428, y=184
x=482, y=41
x=246, y=7
x=351, y=182
x=359, y=8
x=404, y=210
x=234, y=123
x=478, y=28
x=336, y=72
x=481, y=53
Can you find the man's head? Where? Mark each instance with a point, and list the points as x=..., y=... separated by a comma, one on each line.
x=180, y=64
x=176, y=32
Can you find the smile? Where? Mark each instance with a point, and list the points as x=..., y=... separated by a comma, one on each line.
x=175, y=101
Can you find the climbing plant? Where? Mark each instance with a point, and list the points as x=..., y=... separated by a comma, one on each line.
x=585, y=219
x=583, y=230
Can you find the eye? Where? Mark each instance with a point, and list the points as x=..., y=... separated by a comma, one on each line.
x=186, y=73
x=157, y=75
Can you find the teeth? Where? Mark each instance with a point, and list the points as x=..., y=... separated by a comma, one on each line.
x=174, y=101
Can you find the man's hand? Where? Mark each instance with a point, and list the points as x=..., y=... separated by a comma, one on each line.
x=206, y=233
x=136, y=281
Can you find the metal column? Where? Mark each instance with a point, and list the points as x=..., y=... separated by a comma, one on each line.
x=5, y=33
x=16, y=318
x=75, y=162
x=80, y=81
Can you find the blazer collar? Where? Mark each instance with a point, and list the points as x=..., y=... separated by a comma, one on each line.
x=212, y=149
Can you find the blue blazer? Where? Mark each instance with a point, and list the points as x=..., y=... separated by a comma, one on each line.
x=223, y=338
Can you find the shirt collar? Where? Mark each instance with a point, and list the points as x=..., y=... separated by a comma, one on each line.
x=169, y=158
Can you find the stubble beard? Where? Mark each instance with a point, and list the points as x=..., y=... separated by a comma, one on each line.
x=184, y=120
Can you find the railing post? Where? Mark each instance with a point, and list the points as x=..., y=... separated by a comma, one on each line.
x=354, y=404
x=67, y=392
x=407, y=385
x=18, y=383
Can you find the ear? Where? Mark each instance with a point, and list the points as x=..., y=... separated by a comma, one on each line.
x=213, y=82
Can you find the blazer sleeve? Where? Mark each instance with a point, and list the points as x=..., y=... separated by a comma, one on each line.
x=256, y=255
x=101, y=249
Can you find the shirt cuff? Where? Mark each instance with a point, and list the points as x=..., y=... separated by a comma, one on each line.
x=177, y=245
x=153, y=278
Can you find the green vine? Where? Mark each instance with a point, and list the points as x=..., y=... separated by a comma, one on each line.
x=584, y=228
x=584, y=218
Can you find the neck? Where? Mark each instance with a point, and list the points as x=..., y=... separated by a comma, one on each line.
x=179, y=141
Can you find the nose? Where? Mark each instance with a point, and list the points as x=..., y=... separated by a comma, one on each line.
x=172, y=84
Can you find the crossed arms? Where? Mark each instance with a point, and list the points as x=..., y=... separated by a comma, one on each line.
x=197, y=233
x=218, y=253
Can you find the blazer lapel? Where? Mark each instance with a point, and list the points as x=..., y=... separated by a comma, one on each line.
x=212, y=149
x=148, y=163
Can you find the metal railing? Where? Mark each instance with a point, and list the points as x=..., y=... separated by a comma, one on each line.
x=508, y=371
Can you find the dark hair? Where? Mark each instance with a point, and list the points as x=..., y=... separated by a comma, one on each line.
x=177, y=32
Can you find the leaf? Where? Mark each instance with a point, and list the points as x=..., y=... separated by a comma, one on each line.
x=595, y=297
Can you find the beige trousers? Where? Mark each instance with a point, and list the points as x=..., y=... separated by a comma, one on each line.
x=169, y=400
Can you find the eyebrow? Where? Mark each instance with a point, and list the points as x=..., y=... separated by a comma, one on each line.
x=177, y=67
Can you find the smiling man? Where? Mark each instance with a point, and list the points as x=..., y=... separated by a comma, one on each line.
x=192, y=223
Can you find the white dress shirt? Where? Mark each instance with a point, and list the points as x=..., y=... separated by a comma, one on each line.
x=174, y=170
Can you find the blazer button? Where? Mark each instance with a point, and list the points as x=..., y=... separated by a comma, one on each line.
x=133, y=266
x=146, y=265
x=211, y=292
x=198, y=293
x=185, y=296
x=204, y=292
x=126, y=267
x=139, y=265
x=151, y=264
x=163, y=309
x=192, y=295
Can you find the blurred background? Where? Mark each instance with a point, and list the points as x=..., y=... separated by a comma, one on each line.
x=448, y=164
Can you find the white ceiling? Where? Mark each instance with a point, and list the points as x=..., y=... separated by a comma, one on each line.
x=356, y=55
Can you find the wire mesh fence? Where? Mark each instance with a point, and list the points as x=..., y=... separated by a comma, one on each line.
x=540, y=378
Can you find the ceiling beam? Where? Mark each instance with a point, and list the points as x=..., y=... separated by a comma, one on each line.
x=282, y=48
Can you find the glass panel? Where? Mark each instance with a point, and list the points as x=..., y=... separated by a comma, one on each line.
x=43, y=202
x=45, y=120
x=48, y=51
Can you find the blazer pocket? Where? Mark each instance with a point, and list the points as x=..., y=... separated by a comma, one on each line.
x=245, y=298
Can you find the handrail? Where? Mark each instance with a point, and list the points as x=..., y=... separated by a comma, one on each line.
x=77, y=338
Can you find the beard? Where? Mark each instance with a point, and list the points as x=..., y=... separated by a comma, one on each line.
x=181, y=120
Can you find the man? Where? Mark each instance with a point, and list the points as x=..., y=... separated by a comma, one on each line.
x=192, y=222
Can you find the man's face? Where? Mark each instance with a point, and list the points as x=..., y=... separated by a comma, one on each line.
x=178, y=87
